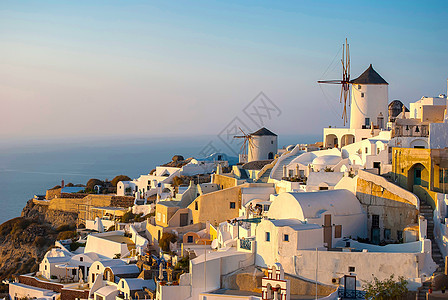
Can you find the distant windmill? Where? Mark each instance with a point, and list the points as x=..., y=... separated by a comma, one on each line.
x=247, y=140
x=345, y=81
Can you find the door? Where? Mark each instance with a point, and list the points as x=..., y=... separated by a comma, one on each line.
x=183, y=220
x=375, y=231
x=328, y=236
x=417, y=176
x=377, y=165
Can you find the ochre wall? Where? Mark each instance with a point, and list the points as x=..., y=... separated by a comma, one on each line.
x=215, y=207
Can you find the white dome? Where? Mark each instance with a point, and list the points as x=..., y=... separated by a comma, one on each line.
x=327, y=160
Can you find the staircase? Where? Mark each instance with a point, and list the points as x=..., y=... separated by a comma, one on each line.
x=278, y=173
x=427, y=211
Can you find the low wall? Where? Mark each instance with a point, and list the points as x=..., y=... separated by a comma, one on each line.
x=66, y=293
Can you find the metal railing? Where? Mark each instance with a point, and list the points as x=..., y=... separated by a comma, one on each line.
x=351, y=294
x=245, y=244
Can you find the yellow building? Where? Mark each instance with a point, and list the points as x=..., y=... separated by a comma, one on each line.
x=421, y=171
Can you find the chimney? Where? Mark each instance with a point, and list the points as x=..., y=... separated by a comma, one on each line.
x=62, y=183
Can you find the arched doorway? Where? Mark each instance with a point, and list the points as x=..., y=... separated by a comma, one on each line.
x=331, y=141
x=418, y=175
x=347, y=139
x=271, y=155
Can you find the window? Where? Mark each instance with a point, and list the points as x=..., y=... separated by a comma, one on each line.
x=386, y=234
x=190, y=239
x=45, y=267
x=443, y=176
x=196, y=205
x=268, y=236
x=232, y=205
x=338, y=231
x=286, y=237
x=98, y=267
x=81, y=259
x=367, y=122
x=323, y=188
x=375, y=221
x=367, y=150
x=351, y=269
x=362, y=95
x=378, y=151
x=122, y=284
x=272, y=142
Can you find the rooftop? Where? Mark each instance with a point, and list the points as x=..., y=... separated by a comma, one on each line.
x=263, y=131
x=370, y=76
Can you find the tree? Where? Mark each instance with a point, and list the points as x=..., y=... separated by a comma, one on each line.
x=165, y=240
x=119, y=178
x=386, y=289
x=90, y=185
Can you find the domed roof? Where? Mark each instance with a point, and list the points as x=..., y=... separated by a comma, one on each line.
x=326, y=160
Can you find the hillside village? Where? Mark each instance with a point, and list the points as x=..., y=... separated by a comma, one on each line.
x=302, y=222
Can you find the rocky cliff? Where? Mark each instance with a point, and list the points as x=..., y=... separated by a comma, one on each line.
x=24, y=240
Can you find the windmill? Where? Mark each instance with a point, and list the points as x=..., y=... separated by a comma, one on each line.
x=345, y=81
x=247, y=140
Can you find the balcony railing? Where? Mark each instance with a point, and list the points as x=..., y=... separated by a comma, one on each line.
x=245, y=244
x=351, y=294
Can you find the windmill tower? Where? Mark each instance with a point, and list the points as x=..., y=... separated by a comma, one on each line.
x=260, y=145
x=369, y=101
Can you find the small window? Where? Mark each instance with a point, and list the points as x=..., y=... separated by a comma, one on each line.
x=122, y=284
x=268, y=236
x=351, y=269
x=443, y=176
x=323, y=188
x=190, y=239
x=386, y=234
x=367, y=122
x=367, y=150
x=81, y=259
x=286, y=237
x=362, y=95
x=338, y=231
x=98, y=267
x=272, y=142
x=232, y=205
x=45, y=267
x=196, y=205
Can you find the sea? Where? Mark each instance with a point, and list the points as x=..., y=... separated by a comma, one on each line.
x=30, y=167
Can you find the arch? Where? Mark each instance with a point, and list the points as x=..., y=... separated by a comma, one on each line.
x=418, y=174
x=271, y=155
x=419, y=143
x=347, y=139
x=331, y=141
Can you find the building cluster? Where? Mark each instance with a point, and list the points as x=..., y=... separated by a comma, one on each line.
x=307, y=220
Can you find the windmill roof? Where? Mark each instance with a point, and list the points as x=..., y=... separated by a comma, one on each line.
x=263, y=131
x=370, y=76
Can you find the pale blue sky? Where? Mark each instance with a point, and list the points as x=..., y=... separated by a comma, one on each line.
x=114, y=68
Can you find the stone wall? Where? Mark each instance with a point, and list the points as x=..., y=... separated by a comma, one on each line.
x=50, y=194
x=122, y=201
x=396, y=207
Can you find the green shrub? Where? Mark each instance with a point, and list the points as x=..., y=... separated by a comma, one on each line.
x=65, y=227
x=90, y=185
x=119, y=178
x=65, y=235
x=386, y=289
x=76, y=245
x=165, y=240
x=183, y=263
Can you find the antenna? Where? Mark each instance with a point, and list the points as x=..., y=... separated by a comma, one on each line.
x=345, y=81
